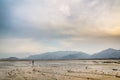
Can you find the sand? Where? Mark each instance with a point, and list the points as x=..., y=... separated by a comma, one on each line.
x=60, y=70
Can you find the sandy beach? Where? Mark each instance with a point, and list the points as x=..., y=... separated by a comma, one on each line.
x=60, y=70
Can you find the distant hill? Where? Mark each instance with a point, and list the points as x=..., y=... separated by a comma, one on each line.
x=11, y=58
x=108, y=53
x=58, y=55
x=79, y=55
x=105, y=54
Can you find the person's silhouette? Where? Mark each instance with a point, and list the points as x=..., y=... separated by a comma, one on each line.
x=32, y=62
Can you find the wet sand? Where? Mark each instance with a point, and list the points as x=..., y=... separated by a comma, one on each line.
x=60, y=70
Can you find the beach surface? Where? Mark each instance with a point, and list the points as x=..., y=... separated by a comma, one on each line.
x=60, y=70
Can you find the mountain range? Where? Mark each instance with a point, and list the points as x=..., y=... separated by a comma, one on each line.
x=105, y=54
x=108, y=53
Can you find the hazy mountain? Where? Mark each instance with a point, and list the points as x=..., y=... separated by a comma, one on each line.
x=11, y=58
x=108, y=53
x=79, y=55
x=53, y=55
x=59, y=55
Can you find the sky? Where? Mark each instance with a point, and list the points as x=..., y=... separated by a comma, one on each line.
x=37, y=26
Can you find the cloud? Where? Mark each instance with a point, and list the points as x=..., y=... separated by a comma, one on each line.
x=59, y=24
x=23, y=46
x=55, y=17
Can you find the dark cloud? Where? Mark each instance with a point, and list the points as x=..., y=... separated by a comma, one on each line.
x=2, y=16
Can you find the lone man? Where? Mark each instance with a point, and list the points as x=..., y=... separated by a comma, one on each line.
x=32, y=62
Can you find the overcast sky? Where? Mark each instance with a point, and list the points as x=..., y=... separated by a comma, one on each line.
x=37, y=26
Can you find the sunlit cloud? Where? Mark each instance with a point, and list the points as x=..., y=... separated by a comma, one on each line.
x=37, y=26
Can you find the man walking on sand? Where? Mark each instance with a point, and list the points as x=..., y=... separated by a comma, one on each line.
x=32, y=62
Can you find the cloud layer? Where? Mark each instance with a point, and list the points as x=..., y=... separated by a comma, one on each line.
x=51, y=25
